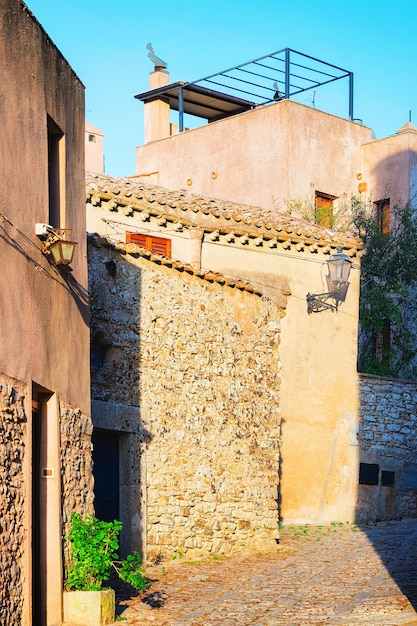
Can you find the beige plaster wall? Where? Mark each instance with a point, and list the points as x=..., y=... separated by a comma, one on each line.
x=273, y=154
x=185, y=243
x=319, y=397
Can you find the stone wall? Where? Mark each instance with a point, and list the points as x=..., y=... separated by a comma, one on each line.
x=200, y=359
x=15, y=489
x=13, y=421
x=388, y=448
x=77, y=493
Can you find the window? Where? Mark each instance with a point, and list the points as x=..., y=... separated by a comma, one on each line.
x=387, y=478
x=368, y=474
x=323, y=210
x=92, y=138
x=157, y=245
x=56, y=175
x=100, y=345
x=383, y=215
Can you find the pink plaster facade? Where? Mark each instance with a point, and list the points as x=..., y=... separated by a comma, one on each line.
x=44, y=318
x=94, y=149
x=389, y=167
x=278, y=156
x=270, y=156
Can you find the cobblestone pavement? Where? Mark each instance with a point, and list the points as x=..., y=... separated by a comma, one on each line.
x=317, y=575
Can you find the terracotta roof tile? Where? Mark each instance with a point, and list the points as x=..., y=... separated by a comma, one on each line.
x=214, y=215
x=136, y=251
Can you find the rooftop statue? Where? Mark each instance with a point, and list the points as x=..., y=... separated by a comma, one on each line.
x=159, y=63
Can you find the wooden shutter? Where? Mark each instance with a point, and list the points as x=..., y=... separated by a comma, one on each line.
x=324, y=210
x=157, y=245
x=383, y=216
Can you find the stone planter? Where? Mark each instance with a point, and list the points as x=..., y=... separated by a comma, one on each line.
x=89, y=608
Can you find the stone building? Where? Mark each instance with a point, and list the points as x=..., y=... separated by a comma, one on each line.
x=44, y=323
x=355, y=432
x=185, y=387
x=283, y=259
x=388, y=449
x=288, y=157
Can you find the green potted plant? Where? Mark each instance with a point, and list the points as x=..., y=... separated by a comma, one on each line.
x=94, y=547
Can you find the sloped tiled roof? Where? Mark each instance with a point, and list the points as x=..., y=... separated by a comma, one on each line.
x=136, y=251
x=214, y=215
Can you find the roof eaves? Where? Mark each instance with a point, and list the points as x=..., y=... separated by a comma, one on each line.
x=194, y=211
x=138, y=252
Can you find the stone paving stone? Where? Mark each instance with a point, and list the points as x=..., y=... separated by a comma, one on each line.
x=337, y=575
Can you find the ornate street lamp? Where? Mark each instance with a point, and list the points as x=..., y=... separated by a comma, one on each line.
x=54, y=243
x=339, y=266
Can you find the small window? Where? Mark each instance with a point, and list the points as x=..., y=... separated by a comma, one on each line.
x=383, y=215
x=157, y=245
x=98, y=355
x=56, y=173
x=323, y=211
x=99, y=348
x=387, y=478
x=368, y=474
x=92, y=138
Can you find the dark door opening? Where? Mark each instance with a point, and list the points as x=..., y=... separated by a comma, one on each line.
x=38, y=599
x=106, y=474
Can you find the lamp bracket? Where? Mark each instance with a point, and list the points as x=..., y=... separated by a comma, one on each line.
x=317, y=302
x=42, y=230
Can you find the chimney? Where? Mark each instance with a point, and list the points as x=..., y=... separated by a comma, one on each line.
x=157, y=112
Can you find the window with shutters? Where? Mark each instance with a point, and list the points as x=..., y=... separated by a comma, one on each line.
x=157, y=245
x=323, y=213
x=383, y=215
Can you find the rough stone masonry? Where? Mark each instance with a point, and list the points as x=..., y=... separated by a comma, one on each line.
x=200, y=361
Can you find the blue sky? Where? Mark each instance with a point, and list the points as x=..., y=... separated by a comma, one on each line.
x=105, y=42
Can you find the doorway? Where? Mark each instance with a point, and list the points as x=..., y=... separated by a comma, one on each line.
x=38, y=583
x=45, y=488
x=106, y=474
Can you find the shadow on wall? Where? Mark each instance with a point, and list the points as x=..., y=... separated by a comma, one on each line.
x=387, y=490
x=394, y=178
x=387, y=477
x=118, y=436
x=29, y=249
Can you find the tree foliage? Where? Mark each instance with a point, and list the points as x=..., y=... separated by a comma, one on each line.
x=388, y=298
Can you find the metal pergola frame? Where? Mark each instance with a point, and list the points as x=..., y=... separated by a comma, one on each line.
x=277, y=76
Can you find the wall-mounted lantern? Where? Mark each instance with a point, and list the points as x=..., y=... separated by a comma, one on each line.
x=339, y=266
x=54, y=243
